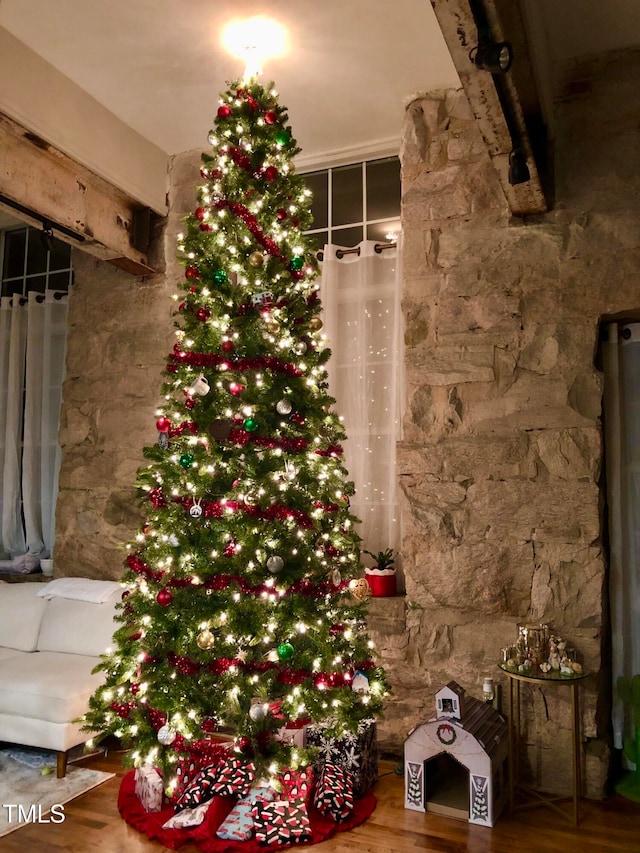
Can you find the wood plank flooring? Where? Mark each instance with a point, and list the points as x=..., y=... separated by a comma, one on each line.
x=93, y=825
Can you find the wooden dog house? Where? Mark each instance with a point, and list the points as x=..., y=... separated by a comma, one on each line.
x=456, y=762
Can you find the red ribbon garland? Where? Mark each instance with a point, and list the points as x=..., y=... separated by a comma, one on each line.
x=214, y=359
x=251, y=222
x=215, y=509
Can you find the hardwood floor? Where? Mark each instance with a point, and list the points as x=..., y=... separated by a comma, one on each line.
x=93, y=825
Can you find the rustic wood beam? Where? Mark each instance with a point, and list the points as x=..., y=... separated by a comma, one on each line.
x=507, y=105
x=38, y=182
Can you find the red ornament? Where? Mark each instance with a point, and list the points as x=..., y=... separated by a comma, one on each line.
x=157, y=498
x=270, y=173
x=235, y=388
x=209, y=725
x=193, y=289
x=203, y=314
x=190, y=403
x=281, y=214
x=182, y=306
x=244, y=745
x=164, y=597
x=192, y=273
x=224, y=111
x=228, y=346
x=204, y=226
x=163, y=424
x=135, y=688
x=200, y=213
x=271, y=117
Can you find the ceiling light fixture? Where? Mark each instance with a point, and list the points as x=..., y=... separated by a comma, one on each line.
x=493, y=56
x=254, y=40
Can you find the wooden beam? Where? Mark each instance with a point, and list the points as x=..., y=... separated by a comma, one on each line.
x=38, y=179
x=487, y=96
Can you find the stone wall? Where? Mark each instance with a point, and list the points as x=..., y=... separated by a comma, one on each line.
x=119, y=334
x=500, y=466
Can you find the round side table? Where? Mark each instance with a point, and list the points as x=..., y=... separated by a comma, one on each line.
x=535, y=797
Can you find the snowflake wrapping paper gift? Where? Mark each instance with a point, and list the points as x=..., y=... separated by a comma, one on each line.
x=356, y=752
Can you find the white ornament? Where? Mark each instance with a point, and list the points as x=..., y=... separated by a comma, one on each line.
x=258, y=712
x=275, y=564
x=195, y=511
x=284, y=407
x=166, y=735
x=200, y=387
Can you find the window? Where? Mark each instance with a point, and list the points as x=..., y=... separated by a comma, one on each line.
x=36, y=278
x=355, y=203
x=359, y=205
x=32, y=261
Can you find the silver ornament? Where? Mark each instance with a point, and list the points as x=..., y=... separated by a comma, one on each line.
x=258, y=712
x=284, y=407
x=336, y=577
x=195, y=511
x=166, y=735
x=275, y=564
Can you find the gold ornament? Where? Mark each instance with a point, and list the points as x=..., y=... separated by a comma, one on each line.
x=205, y=640
x=272, y=326
x=315, y=324
x=256, y=259
x=360, y=589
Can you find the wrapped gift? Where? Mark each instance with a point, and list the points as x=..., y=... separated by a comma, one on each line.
x=294, y=732
x=355, y=751
x=281, y=822
x=297, y=784
x=239, y=824
x=333, y=795
x=149, y=788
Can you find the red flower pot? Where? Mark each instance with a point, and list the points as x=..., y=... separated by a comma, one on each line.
x=382, y=582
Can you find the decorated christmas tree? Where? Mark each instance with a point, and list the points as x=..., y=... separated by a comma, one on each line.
x=242, y=608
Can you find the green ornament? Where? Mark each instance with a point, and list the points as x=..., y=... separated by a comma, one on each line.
x=220, y=277
x=186, y=460
x=297, y=262
x=285, y=651
x=283, y=136
x=251, y=425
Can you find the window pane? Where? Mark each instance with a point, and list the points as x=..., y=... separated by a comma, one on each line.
x=347, y=236
x=380, y=230
x=317, y=182
x=319, y=239
x=14, y=242
x=12, y=288
x=347, y=195
x=60, y=258
x=59, y=281
x=383, y=188
x=37, y=283
x=36, y=253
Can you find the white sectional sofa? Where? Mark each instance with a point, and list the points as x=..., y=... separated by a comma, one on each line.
x=51, y=637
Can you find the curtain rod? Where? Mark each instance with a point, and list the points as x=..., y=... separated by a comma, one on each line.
x=46, y=222
x=57, y=294
x=378, y=248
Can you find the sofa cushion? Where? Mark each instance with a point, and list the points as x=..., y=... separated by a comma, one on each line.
x=21, y=612
x=77, y=627
x=47, y=685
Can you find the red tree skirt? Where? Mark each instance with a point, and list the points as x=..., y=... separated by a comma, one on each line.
x=204, y=836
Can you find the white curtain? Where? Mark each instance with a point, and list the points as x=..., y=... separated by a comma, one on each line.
x=621, y=362
x=361, y=296
x=32, y=358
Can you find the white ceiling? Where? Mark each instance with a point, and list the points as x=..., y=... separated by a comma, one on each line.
x=158, y=64
x=352, y=65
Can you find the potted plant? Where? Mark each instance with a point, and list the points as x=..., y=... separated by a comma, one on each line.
x=381, y=577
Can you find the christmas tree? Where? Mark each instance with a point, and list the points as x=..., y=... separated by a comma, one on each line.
x=241, y=611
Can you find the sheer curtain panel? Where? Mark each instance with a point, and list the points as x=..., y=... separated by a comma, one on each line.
x=32, y=357
x=621, y=363
x=361, y=296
